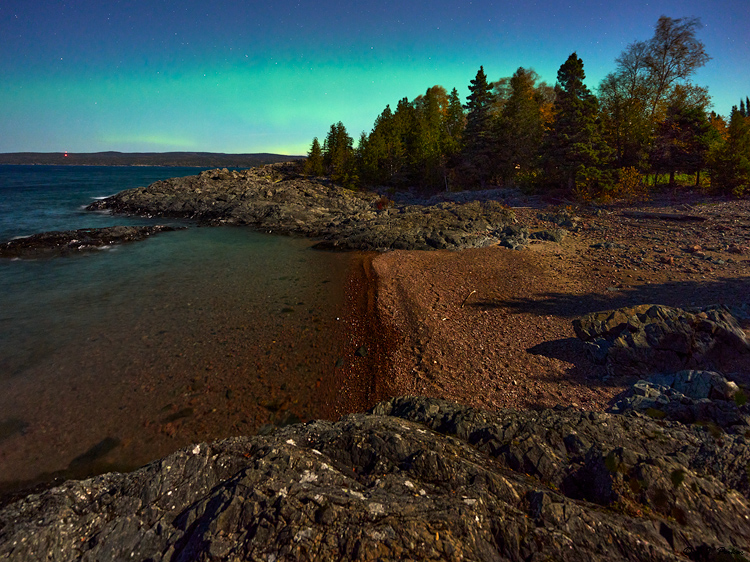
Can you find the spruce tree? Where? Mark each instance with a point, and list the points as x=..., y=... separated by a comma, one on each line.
x=455, y=122
x=521, y=123
x=682, y=142
x=314, y=162
x=730, y=160
x=574, y=152
x=338, y=156
x=479, y=141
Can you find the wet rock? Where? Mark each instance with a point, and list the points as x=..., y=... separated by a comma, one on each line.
x=61, y=243
x=416, y=478
x=650, y=339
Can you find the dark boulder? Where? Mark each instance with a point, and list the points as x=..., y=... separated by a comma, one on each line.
x=649, y=339
x=416, y=478
x=553, y=235
x=701, y=397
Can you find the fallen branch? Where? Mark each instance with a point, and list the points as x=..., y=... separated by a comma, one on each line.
x=467, y=298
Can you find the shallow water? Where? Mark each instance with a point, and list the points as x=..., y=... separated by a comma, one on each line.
x=114, y=358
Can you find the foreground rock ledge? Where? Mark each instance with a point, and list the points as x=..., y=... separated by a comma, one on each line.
x=416, y=478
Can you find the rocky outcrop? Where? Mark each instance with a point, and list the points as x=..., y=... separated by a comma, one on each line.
x=276, y=198
x=61, y=243
x=702, y=397
x=650, y=339
x=417, y=479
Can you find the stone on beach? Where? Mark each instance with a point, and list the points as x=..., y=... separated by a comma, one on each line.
x=650, y=339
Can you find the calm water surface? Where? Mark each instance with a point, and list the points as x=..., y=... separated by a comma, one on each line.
x=114, y=358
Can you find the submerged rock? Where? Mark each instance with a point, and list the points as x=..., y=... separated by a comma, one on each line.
x=61, y=243
x=649, y=339
x=416, y=478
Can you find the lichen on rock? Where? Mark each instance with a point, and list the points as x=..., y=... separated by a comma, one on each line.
x=415, y=478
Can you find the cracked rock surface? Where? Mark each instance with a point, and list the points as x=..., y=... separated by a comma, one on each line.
x=415, y=478
x=652, y=338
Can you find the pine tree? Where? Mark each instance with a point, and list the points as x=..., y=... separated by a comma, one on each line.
x=730, y=160
x=455, y=122
x=314, y=162
x=521, y=123
x=479, y=141
x=743, y=110
x=682, y=142
x=338, y=156
x=575, y=154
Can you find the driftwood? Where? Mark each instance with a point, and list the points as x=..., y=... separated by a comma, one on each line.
x=663, y=216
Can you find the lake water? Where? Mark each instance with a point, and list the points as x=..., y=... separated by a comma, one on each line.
x=113, y=358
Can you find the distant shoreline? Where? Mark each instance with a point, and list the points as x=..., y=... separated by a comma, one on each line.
x=166, y=159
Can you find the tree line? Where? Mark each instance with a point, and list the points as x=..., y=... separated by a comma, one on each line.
x=647, y=118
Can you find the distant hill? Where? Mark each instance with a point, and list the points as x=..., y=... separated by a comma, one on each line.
x=201, y=159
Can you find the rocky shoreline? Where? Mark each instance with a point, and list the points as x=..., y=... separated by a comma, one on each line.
x=415, y=478
x=278, y=199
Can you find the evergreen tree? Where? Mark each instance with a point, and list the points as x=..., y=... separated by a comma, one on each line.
x=730, y=160
x=314, y=162
x=338, y=156
x=431, y=137
x=574, y=152
x=521, y=123
x=455, y=122
x=384, y=155
x=479, y=141
x=682, y=142
x=743, y=111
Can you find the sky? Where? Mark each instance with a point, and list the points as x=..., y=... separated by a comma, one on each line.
x=246, y=76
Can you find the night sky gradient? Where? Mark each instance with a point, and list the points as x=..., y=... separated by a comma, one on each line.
x=247, y=76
